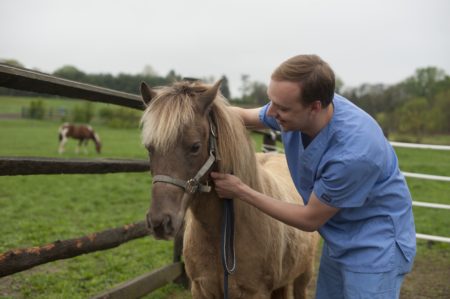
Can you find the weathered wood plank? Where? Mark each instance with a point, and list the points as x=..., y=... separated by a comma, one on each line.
x=37, y=165
x=28, y=80
x=144, y=284
x=20, y=259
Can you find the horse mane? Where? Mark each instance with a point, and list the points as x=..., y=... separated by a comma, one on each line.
x=174, y=108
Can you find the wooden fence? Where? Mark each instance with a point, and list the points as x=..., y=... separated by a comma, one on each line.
x=17, y=260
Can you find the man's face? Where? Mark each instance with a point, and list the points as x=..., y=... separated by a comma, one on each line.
x=286, y=107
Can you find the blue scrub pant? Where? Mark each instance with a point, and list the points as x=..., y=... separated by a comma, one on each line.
x=334, y=282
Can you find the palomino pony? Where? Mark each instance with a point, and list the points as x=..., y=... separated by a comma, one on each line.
x=188, y=130
x=80, y=132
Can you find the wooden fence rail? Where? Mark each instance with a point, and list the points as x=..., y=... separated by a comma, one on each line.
x=24, y=79
x=17, y=260
x=32, y=165
x=144, y=284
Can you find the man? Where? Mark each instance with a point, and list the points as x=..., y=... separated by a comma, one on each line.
x=348, y=176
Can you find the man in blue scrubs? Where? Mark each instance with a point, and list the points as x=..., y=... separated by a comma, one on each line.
x=349, y=178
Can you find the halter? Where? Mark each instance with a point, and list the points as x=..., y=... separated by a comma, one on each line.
x=193, y=185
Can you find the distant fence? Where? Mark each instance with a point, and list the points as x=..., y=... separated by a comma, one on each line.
x=427, y=177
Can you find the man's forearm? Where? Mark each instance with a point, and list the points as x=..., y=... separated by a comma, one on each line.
x=291, y=214
x=250, y=117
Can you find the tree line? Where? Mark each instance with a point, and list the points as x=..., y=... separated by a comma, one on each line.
x=419, y=105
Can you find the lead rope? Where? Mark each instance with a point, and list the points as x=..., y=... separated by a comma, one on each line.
x=227, y=248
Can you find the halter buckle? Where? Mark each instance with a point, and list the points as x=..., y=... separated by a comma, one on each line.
x=192, y=186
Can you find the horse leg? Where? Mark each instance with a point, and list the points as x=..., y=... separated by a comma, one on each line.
x=61, y=145
x=281, y=293
x=85, y=149
x=77, y=149
x=301, y=282
x=261, y=295
x=199, y=292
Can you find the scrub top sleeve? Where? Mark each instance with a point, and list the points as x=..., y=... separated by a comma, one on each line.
x=347, y=184
x=267, y=120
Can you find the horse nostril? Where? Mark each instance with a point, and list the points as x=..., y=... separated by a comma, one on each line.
x=148, y=222
x=167, y=223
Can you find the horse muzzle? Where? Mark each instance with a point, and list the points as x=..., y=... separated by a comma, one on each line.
x=160, y=226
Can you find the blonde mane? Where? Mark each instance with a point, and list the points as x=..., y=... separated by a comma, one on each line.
x=174, y=108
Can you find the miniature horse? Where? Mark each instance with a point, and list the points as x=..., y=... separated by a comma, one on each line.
x=80, y=132
x=188, y=130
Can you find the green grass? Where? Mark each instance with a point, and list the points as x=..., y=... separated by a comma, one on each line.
x=40, y=209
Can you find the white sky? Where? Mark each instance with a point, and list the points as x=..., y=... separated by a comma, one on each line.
x=374, y=41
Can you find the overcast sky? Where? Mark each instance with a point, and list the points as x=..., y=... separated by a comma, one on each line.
x=376, y=41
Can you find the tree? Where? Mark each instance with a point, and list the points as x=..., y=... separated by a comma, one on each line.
x=70, y=72
x=225, y=87
x=11, y=62
x=258, y=93
x=172, y=76
x=412, y=118
x=245, y=87
x=149, y=71
x=439, y=120
x=424, y=82
x=338, y=84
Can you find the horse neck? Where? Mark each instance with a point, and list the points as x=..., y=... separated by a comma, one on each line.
x=206, y=212
x=94, y=138
x=236, y=151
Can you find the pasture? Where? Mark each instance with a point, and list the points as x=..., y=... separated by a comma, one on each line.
x=40, y=209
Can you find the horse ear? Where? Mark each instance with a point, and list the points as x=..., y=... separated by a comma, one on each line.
x=208, y=96
x=147, y=93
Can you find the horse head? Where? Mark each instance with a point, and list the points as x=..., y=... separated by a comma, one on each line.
x=98, y=145
x=177, y=131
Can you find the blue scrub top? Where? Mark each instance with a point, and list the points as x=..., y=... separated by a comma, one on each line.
x=350, y=165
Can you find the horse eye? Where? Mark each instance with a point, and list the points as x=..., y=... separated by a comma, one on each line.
x=195, y=148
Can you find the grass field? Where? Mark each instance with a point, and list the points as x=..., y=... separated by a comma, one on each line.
x=35, y=210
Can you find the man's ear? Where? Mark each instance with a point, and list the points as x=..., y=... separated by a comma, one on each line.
x=316, y=106
x=147, y=94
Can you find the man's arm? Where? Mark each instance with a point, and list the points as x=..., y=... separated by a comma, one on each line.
x=250, y=117
x=307, y=218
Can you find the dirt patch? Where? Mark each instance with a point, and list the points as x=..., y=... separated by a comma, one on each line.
x=429, y=278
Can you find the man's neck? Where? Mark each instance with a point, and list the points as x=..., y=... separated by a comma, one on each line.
x=323, y=118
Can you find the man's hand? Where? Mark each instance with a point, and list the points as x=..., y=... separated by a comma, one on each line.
x=227, y=185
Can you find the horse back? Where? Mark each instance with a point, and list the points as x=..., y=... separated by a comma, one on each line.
x=276, y=177
x=77, y=132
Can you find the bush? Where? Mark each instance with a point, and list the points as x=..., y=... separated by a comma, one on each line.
x=36, y=110
x=120, y=117
x=83, y=113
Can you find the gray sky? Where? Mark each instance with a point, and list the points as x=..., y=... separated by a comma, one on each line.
x=375, y=41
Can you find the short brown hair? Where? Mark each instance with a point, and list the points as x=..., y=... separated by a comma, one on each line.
x=315, y=76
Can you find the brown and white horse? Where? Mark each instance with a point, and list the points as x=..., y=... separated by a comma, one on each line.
x=189, y=129
x=80, y=132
